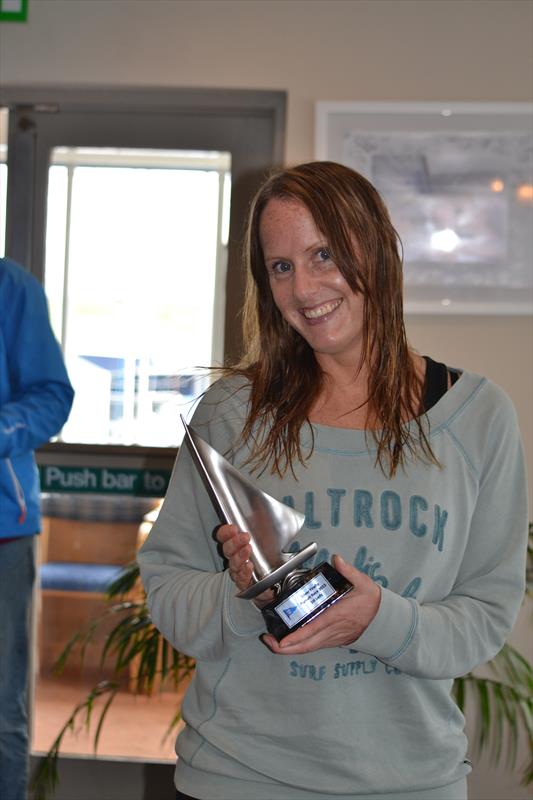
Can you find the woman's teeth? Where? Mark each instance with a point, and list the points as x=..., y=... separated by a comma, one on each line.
x=321, y=311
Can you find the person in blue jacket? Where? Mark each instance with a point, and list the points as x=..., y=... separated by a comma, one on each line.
x=35, y=401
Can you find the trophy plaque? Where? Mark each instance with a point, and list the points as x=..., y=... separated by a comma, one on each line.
x=300, y=595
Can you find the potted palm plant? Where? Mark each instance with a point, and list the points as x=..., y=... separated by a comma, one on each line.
x=501, y=698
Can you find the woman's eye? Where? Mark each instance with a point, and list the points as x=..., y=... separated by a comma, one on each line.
x=280, y=267
x=324, y=254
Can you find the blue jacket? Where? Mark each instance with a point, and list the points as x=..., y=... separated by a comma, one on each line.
x=35, y=396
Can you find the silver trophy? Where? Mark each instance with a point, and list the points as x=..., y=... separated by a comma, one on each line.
x=300, y=594
x=271, y=524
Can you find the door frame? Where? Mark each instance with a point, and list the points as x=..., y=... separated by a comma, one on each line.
x=213, y=114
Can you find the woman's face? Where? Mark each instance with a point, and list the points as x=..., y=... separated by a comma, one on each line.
x=308, y=289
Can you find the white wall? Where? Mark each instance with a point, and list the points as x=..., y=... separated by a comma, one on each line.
x=316, y=49
x=418, y=50
x=389, y=50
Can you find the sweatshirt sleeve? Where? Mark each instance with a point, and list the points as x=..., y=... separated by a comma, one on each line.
x=40, y=394
x=449, y=638
x=190, y=597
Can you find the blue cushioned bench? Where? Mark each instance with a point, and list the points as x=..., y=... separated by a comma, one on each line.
x=85, y=543
x=69, y=576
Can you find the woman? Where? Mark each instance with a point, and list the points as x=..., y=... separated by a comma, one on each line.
x=411, y=478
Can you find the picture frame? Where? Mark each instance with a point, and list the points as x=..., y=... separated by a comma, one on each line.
x=457, y=179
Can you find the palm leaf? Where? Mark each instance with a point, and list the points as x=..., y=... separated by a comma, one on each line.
x=503, y=706
x=46, y=776
x=136, y=649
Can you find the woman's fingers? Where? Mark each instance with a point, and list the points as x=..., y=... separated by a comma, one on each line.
x=339, y=625
x=226, y=533
x=237, y=550
x=232, y=540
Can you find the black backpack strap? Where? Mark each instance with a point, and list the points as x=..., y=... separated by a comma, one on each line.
x=454, y=375
x=436, y=382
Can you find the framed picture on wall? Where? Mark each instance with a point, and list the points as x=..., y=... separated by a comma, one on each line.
x=457, y=179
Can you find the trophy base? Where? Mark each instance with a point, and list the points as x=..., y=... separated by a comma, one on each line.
x=317, y=590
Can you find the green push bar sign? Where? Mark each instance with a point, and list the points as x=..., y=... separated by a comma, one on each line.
x=13, y=10
x=104, y=480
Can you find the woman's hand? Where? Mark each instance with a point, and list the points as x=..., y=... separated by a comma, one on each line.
x=237, y=550
x=341, y=624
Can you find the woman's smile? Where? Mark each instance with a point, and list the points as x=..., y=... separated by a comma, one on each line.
x=321, y=312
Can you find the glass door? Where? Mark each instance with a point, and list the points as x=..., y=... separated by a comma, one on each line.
x=129, y=207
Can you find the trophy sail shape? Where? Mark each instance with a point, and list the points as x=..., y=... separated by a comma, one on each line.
x=271, y=524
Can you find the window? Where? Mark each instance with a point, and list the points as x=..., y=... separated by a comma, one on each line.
x=50, y=123
x=135, y=266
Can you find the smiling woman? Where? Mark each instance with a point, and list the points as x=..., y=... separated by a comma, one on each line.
x=362, y=373
x=409, y=472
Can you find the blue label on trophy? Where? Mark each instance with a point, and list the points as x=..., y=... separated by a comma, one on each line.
x=305, y=600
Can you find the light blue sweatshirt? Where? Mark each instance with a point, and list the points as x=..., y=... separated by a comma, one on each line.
x=447, y=546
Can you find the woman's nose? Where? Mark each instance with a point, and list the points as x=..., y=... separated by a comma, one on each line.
x=304, y=284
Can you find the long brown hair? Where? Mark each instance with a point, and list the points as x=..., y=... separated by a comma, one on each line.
x=282, y=369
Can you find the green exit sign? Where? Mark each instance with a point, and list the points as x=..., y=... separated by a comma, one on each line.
x=13, y=10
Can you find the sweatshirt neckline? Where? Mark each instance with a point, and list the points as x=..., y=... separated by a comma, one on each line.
x=351, y=440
